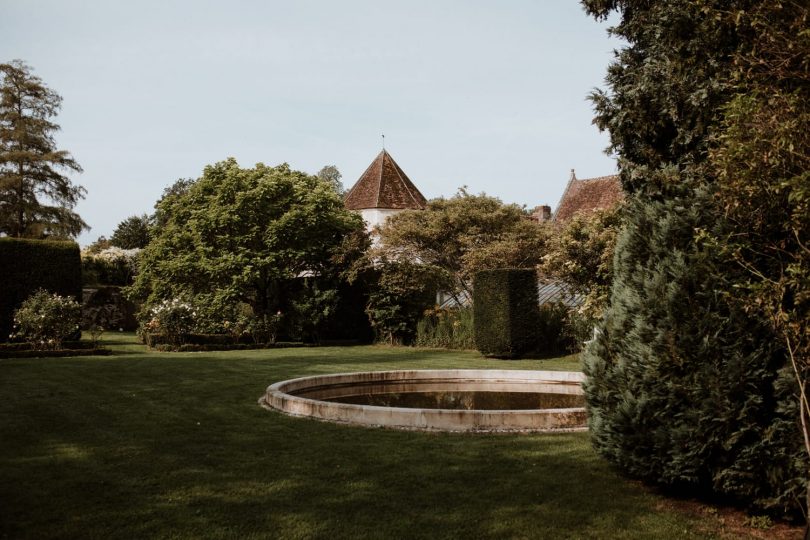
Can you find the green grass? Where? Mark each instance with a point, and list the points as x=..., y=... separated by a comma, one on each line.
x=174, y=445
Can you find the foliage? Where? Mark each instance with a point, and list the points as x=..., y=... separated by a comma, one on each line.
x=581, y=255
x=685, y=386
x=27, y=265
x=168, y=199
x=459, y=236
x=171, y=318
x=104, y=307
x=36, y=199
x=46, y=319
x=446, y=328
x=401, y=290
x=762, y=161
x=245, y=235
x=110, y=266
x=681, y=385
x=505, y=312
x=101, y=243
x=560, y=329
x=331, y=175
x=132, y=233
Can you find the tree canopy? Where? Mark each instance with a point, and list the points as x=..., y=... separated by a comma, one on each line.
x=132, y=233
x=36, y=198
x=238, y=234
x=458, y=236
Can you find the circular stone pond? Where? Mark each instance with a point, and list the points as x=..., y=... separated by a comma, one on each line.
x=438, y=400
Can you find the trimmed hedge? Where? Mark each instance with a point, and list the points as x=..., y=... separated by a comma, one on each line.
x=27, y=265
x=59, y=353
x=505, y=312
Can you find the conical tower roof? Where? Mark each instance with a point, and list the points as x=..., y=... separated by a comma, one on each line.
x=384, y=185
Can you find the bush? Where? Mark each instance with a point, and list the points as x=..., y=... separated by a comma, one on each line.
x=446, y=328
x=46, y=319
x=110, y=266
x=506, y=313
x=173, y=319
x=29, y=265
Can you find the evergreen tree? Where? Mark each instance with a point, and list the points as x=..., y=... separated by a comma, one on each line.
x=36, y=199
x=685, y=386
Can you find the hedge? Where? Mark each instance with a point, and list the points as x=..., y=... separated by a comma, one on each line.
x=505, y=312
x=27, y=265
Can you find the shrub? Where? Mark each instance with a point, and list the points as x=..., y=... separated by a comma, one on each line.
x=553, y=336
x=28, y=265
x=173, y=319
x=506, y=313
x=446, y=328
x=46, y=319
x=110, y=266
x=398, y=299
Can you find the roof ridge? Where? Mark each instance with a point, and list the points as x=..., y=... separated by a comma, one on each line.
x=606, y=177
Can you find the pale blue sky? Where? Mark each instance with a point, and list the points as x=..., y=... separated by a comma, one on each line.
x=491, y=95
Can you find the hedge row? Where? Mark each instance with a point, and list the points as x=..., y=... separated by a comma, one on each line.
x=505, y=312
x=27, y=265
x=59, y=353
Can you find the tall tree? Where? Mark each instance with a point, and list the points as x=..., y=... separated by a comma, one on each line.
x=245, y=235
x=683, y=382
x=36, y=198
x=762, y=161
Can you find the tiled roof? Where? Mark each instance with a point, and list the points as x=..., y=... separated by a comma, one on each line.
x=587, y=195
x=384, y=185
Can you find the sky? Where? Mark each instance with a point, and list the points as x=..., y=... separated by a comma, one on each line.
x=484, y=94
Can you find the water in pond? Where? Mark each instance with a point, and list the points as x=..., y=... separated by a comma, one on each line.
x=466, y=400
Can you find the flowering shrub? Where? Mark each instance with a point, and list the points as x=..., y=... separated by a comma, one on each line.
x=45, y=319
x=173, y=318
x=111, y=266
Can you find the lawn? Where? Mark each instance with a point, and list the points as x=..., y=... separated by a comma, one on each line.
x=174, y=445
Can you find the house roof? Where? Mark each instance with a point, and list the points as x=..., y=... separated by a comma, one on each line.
x=384, y=185
x=587, y=195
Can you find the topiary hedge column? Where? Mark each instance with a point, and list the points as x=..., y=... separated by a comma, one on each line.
x=505, y=312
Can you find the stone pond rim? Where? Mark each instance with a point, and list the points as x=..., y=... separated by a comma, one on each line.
x=305, y=396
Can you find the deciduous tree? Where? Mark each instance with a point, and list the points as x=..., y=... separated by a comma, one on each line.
x=243, y=235
x=459, y=236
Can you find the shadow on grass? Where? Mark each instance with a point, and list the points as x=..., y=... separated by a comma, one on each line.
x=175, y=445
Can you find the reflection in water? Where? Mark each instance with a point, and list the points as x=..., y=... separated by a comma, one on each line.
x=466, y=400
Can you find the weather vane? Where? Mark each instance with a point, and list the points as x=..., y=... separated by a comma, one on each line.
x=383, y=138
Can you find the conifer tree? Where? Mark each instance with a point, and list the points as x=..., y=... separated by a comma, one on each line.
x=685, y=386
x=36, y=198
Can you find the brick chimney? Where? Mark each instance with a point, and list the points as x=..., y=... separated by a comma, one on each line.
x=542, y=213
